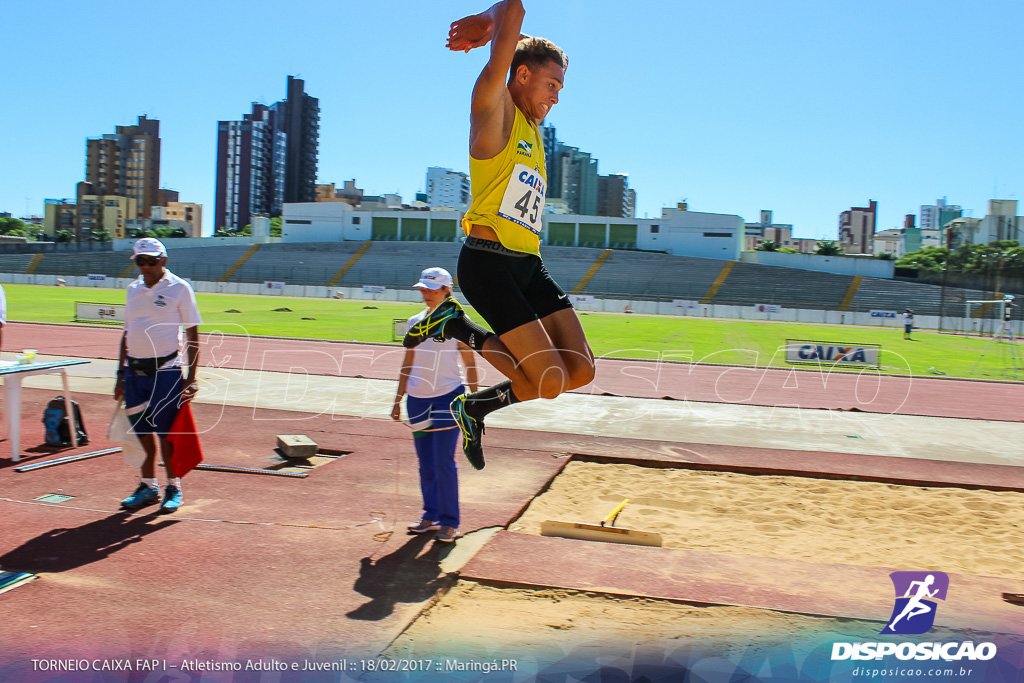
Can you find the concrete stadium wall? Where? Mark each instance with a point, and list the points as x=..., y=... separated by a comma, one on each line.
x=173, y=243
x=801, y=315
x=842, y=265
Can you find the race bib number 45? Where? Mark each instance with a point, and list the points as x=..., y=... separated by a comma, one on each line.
x=523, y=201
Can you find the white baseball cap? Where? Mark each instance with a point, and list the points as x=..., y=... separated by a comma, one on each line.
x=148, y=246
x=434, y=278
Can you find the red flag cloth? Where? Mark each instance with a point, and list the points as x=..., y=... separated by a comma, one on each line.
x=184, y=437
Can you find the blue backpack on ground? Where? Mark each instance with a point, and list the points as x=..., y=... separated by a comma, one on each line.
x=55, y=419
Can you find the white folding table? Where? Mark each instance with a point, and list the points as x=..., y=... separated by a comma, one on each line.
x=12, y=375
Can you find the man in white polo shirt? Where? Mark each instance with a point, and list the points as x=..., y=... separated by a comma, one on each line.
x=157, y=306
x=433, y=376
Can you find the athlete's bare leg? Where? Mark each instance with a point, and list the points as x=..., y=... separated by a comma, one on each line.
x=566, y=331
x=543, y=358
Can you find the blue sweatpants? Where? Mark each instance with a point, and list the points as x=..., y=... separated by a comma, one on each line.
x=435, y=448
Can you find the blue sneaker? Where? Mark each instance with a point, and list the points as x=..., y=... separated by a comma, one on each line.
x=144, y=495
x=472, y=429
x=433, y=323
x=172, y=499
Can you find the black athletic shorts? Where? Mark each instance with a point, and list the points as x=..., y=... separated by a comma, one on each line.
x=507, y=288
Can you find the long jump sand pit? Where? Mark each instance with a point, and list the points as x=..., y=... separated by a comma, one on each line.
x=782, y=517
x=821, y=520
x=478, y=621
x=545, y=628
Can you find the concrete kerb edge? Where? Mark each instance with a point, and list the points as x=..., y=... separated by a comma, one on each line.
x=508, y=583
x=544, y=487
x=451, y=579
x=655, y=463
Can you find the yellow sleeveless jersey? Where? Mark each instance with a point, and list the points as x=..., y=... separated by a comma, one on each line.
x=508, y=189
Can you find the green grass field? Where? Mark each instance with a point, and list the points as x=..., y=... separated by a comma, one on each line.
x=615, y=335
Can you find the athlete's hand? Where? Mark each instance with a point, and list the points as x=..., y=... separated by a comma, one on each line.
x=396, y=411
x=189, y=391
x=470, y=32
x=119, y=388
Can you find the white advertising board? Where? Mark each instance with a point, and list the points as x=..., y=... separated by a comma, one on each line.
x=832, y=353
x=85, y=310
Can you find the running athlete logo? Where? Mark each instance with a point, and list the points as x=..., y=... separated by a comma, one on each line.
x=913, y=613
x=525, y=148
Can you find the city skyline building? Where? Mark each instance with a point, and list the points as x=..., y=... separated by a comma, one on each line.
x=181, y=213
x=250, y=168
x=935, y=216
x=125, y=163
x=326, y=192
x=298, y=116
x=577, y=187
x=857, y=228
x=59, y=215
x=577, y=174
x=779, y=233
x=108, y=213
x=1000, y=223
x=550, y=141
x=268, y=158
x=614, y=197
x=448, y=188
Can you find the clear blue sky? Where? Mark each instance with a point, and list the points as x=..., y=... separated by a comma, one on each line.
x=805, y=108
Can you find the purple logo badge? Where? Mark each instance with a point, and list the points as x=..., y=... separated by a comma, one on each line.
x=916, y=593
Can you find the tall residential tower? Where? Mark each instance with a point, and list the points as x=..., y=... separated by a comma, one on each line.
x=268, y=158
x=299, y=118
x=250, y=168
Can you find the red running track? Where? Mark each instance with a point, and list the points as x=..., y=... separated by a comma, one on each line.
x=867, y=392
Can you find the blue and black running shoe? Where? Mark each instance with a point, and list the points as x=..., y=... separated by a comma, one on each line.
x=172, y=499
x=432, y=325
x=472, y=430
x=144, y=495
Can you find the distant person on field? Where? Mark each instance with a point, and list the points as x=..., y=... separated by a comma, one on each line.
x=908, y=323
x=432, y=374
x=158, y=304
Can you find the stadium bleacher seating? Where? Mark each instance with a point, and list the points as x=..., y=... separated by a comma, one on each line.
x=753, y=283
x=631, y=275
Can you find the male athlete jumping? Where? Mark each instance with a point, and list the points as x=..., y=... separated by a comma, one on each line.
x=538, y=342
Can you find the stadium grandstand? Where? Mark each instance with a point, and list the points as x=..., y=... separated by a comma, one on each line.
x=602, y=273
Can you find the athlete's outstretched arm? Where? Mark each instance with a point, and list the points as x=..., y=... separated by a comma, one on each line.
x=492, y=110
x=478, y=29
x=472, y=31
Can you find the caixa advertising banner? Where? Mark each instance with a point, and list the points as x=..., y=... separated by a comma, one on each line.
x=110, y=313
x=832, y=353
